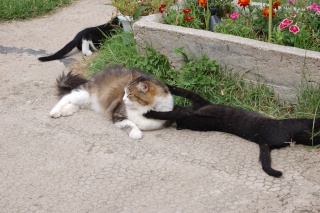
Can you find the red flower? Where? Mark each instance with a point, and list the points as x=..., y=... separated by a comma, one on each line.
x=202, y=3
x=244, y=3
x=189, y=18
x=265, y=12
x=186, y=11
x=276, y=4
x=163, y=5
x=161, y=8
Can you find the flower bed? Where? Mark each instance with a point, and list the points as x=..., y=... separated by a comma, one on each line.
x=295, y=24
x=284, y=68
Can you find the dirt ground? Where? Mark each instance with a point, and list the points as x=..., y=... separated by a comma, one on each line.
x=83, y=163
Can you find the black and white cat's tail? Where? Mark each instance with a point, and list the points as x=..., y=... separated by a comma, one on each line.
x=66, y=83
x=64, y=51
x=265, y=159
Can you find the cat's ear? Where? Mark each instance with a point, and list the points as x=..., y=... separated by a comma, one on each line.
x=143, y=87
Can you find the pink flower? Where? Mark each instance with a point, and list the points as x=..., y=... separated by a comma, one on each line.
x=291, y=1
x=234, y=15
x=286, y=22
x=294, y=29
x=293, y=15
x=282, y=26
x=313, y=6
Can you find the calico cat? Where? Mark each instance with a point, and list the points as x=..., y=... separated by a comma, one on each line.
x=87, y=40
x=122, y=94
x=268, y=133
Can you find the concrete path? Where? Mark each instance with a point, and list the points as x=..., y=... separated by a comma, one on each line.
x=83, y=163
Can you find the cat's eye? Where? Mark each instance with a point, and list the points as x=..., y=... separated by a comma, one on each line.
x=132, y=97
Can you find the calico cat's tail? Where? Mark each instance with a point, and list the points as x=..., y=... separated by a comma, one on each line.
x=265, y=159
x=61, y=53
x=66, y=83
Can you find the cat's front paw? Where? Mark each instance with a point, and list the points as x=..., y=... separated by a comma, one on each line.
x=88, y=53
x=135, y=134
x=69, y=109
x=55, y=113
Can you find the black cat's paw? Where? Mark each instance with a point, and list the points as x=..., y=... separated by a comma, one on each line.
x=171, y=88
x=150, y=114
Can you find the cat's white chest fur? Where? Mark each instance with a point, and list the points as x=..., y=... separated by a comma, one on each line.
x=136, y=114
x=138, y=122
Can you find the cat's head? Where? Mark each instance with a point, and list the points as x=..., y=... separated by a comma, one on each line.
x=145, y=92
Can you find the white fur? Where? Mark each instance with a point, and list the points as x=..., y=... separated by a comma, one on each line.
x=85, y=47
x=135, y=132
x=94, y=103
x=135, y=112
x=71, y=103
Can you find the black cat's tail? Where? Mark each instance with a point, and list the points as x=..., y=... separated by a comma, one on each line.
x=265, y=159
x=61, y=53
x=66, y=83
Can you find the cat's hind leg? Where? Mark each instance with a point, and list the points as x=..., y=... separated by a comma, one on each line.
x=135, y=132
x=86, y=47
x=70, y=103
x=92, y=47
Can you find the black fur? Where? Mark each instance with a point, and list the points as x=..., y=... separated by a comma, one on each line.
x=95, y=34
x=268, y=133
x=66, y=83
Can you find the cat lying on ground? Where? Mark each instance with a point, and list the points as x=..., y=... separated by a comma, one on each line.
x=121, y=94
x=87, y=40
x=268, y=133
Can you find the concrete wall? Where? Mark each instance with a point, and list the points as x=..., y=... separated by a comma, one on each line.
x=283, y=68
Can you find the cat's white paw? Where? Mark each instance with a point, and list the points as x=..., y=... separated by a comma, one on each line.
x=55, y=113
x=88, y=53
x=135, y=134
x=69, y=109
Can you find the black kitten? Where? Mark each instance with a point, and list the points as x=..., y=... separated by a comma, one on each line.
x=87, y=40
x=267, y=132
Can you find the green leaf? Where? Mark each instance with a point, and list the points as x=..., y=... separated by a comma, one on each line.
x=139, y=11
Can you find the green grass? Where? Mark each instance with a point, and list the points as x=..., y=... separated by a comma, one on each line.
x=205, y=77
x=25, y=9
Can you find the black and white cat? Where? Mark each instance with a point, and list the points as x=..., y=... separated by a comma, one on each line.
x=268, y=133
x=87, y=40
